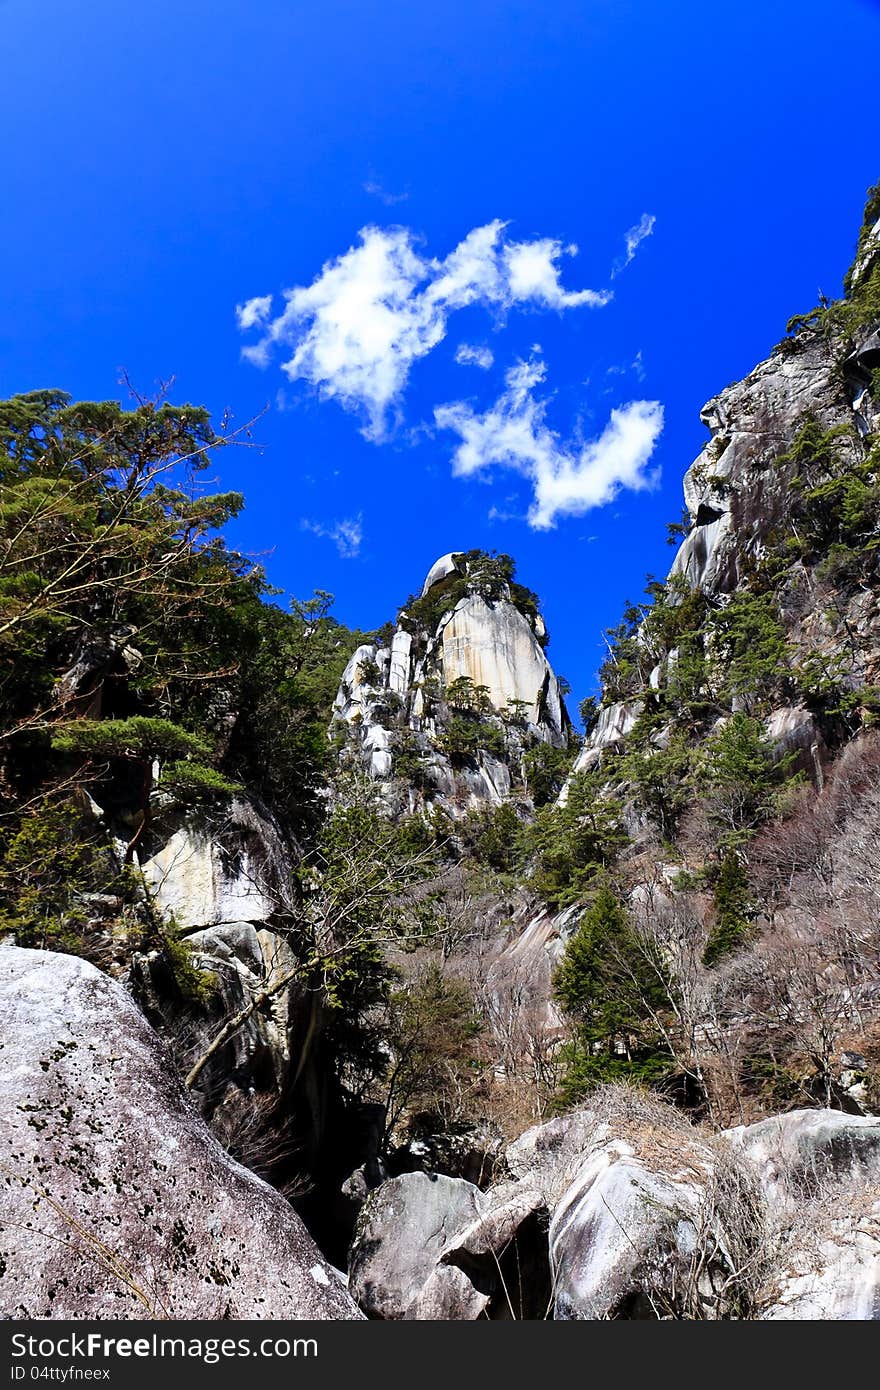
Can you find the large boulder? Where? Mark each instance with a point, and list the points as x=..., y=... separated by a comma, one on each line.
x=833, y=1274
x=395, y=1268
x=230, y=868
x=118, y=1202
x=797, y=1152
x=625, y=1240
x=626, y=1210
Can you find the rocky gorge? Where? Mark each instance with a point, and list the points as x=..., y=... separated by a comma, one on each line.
x=357, y=984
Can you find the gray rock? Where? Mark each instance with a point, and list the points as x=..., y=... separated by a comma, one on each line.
x=806, y=1147
x=614, y=723
x=234, y=870
x=546, y=1157
x=835, y=1276
x=395, y=1269
x=118, y=1202
x=623, y=1239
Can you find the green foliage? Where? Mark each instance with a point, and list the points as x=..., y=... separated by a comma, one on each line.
x=290, y=673
x=813, y=448
x=588, y=709
x=837, y=501
x=411, y=760
x=112, y=570
x=52, y=861
x=661, y=780
x=740, y=773
x=368, y=672
x=863, y=290
x=610, y=985
x=677, y=531
x=465, y=736
x=733, y=910
x=572, y=844
x=516, y=712
x=494, y=836
x=750, y=648
x=463, y=695
x=478, y=572
x=138, y=738
x=193, y=783
x=357, y=887
x=195, y=987
x=626, y=668
x=546, y=768
x=861, y=303
x=677, y=612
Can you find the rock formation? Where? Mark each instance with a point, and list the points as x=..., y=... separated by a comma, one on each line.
x=626, y=1211
x=397, y=702
x=743, y=499
x=118, y=1202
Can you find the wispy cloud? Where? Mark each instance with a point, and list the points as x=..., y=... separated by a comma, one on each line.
x=636, y=366
x=346, y=535
x=633, y=240
x=375, y=190
x=357, y=329
x=568, y=478
x=467, y=355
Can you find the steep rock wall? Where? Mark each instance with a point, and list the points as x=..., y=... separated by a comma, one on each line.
x=392, y=714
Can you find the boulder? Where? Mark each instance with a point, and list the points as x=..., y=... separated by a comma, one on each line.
x=832, y=1275
x=624, y=1241
x=793, y=1153
x=229, y=870
x=395, y=1268
x=446, y=565
x=118, y=1202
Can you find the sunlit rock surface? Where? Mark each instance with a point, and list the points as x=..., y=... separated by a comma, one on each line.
x=118, y=1202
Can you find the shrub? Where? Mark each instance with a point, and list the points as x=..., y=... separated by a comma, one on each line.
x=733, y=911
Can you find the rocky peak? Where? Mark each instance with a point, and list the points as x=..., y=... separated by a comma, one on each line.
x=763, y=518
x=447, y=706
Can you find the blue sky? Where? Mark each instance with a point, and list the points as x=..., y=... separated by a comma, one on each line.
x=164, y=164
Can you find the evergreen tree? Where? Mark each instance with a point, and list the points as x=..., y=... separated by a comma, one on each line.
x=609, y=985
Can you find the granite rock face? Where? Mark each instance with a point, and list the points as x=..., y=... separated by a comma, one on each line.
x=739, y=494
x=224, y=882
x=118, y=1202
x=391, y=710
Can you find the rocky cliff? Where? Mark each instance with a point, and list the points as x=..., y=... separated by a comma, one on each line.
x=779, y=506
x=444, y=711
x=401, y=995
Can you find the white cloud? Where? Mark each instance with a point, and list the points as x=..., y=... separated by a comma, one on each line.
x=633, y=240
x=375, y=190
x=568, y=478
x=533, y=273
x=357, y=329
x=467, y=355
x=254, y=312
x=346, y=535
